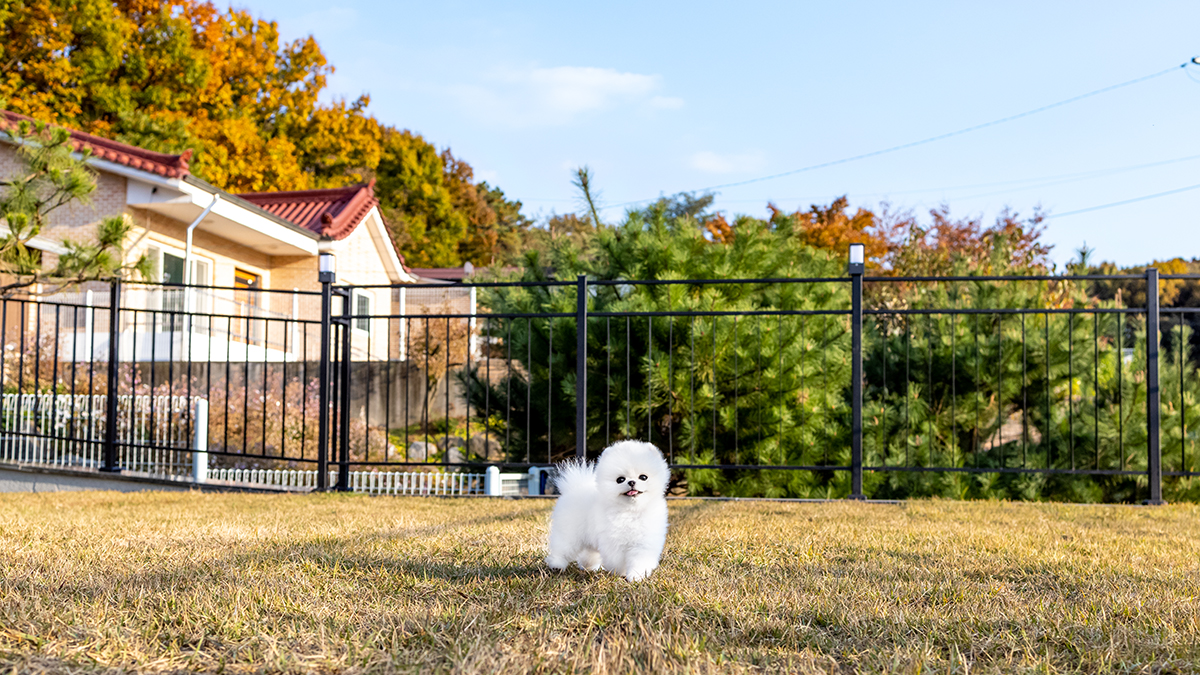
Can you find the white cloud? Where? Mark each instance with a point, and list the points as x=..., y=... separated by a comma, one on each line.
x=712, y=162
x=559, y=95
x=569, y=90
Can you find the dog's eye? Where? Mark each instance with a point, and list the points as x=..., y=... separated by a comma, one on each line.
x=620, y=479
x=642, y=477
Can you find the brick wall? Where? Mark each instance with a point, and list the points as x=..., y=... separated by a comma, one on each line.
x=224, y=255
x=74, y=221
x=359, y=261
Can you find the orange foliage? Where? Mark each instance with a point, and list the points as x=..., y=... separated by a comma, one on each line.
x=832, y=229
x=719, y=229
x=898, y=244
x=173, y=75
x=965, y=246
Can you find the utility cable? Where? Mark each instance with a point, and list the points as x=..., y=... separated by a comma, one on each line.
x=931, y=139
x=1122, y=203
x=1010, y=185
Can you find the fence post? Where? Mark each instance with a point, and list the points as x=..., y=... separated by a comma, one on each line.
x=114, y=356
x=200, y=441
x=1153, y=403
x=856, y=268
x=581, y=291
x=343, y=483
x=326, y=277
x=535, y=481
x=491, y=482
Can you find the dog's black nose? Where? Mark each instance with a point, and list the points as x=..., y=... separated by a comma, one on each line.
x=632, y=483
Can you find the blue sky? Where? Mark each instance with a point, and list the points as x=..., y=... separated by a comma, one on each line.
x=662, y=98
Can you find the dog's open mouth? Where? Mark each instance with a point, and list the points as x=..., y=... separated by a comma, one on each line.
x=632, y=493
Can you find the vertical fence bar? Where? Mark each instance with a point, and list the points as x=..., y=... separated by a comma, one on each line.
x=114, y=355
x=1153, y=407
x=581, y=329
x=856, y=269
x=1120, y=341
x=344, y=390
x=5, y=444
x=323, y=382
x=1182, y=401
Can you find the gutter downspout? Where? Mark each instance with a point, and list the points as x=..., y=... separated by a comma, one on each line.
x=188, y=300
x=187, y=254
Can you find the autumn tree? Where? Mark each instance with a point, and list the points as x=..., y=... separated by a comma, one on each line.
x=833, y=228
x=948, y=245
x=513, y=228
x=170, y=76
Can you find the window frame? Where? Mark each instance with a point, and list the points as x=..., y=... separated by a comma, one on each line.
x=363, y=324
x=162, y=249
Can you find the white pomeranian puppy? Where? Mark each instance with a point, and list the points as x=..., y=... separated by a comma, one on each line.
x=613, y=514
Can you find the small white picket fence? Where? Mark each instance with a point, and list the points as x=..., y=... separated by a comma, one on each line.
x=67, y=431
x=491, y=482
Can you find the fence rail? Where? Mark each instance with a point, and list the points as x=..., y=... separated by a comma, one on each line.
x=838, y=386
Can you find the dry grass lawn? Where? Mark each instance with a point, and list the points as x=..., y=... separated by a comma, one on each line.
x=342, y=583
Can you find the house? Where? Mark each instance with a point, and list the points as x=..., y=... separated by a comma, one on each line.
x=254, y=257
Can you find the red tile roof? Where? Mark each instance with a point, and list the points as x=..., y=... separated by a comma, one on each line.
x=332, y=213
x=171, y=166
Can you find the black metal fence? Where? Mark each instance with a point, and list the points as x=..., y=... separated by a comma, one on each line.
x=852, y=386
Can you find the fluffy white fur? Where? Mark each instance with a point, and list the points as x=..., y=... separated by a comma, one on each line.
x=613, y=514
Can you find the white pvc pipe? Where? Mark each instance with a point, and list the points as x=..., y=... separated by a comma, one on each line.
x=188, y=302
x=187, y=252
x=200, y=441
x=491, y=482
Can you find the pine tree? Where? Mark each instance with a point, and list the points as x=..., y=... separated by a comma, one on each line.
x=52, y=178
x=757, y=381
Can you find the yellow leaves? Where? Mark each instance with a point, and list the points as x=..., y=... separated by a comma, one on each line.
x=1170, y=288
x=237, y=158
x=341, y=144
x=35, y=74
x=182, y=74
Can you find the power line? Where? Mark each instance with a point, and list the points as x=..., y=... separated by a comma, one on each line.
x=1011, y=185
x=1122, y=203
x=1102, y=173
x=931, y=139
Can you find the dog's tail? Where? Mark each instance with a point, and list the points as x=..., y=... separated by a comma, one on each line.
x=575, y=476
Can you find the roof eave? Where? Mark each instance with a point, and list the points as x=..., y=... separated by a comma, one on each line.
x=258, y=210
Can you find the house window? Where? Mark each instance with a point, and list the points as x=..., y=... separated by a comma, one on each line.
x=244, y=280
x=247, y=304
x=172, y=269
x=169, y=265
x=362, y=308
x=246, y=287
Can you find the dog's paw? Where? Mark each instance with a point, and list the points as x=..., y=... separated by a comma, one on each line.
x=590, y=561
x=557, y=563
x=638, y=574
